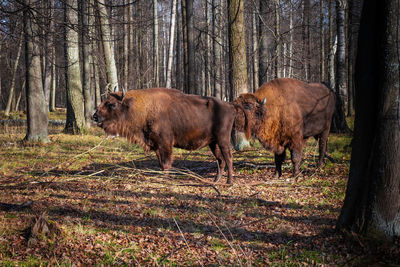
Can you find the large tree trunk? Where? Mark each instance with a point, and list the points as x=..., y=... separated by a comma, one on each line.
x=171, y=44
x=112, y=75
x=75, y=122
x=372, y=203
x=14, y=75
x=37, y=113
x=237, y=60
x=339, y=124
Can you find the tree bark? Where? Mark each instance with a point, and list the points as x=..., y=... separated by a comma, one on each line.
x=171, y=44
x=372, y=202
x=75, y=122
x=112, y=75
x=37, y=113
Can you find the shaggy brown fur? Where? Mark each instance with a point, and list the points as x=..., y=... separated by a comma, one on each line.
x=159, y=119
x=295, y=111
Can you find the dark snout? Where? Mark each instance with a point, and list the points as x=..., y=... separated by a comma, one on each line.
x=95, y=117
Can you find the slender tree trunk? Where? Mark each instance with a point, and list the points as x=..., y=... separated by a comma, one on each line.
x=339, y=124
x=52, y=104
x=217, y=50
x=88, y=105
x=322, y=43
x=372, y=202
x=263, y=39
x=132, y=50
x=332, y=48
x=277, y=62
x=255, y=51
x=290, y=71
x=14, y=75
x=307, y=39
x=48, y=41
x=191, y=68
x=16, y=108
x=185, y=47
x=75, y=122
x=126, y=45
x=156, y=58
x=112, y=75
x=37, y=112
x=207, y=52
x=1, y=59
x=171, y=44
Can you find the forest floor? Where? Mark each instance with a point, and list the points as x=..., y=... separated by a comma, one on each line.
x=90, y=200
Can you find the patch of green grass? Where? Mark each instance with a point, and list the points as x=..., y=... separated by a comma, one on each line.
x=217, y=244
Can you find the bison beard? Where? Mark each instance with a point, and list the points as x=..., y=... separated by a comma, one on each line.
x=159, y=119
x=295, y=111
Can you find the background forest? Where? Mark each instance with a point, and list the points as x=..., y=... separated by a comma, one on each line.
x=179, y=44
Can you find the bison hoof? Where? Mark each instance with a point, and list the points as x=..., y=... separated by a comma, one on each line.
x=216, y=179
x=277, y=175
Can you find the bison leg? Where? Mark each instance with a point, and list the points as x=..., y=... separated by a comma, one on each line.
x=220, y=160
x=226, y=153
x=323, y=139
x=279, y=159
x=295, y=155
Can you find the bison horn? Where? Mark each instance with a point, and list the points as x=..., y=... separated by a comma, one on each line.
x=264, y=101
x=123, y=91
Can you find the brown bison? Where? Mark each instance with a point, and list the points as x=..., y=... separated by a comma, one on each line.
x=159, y=119
x=295, y=110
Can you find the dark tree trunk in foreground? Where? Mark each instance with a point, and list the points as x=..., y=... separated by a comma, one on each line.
x=37, y=119
x=372, y=203
x=339, y=124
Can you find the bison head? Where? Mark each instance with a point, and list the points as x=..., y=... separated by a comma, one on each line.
x=111, y=112
x=249, y=113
